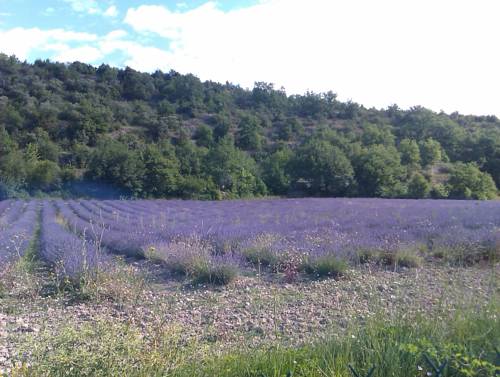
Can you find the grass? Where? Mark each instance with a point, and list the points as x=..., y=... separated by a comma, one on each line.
x=261, y=256
x=466, y=338
x=325, y=266
x=467, y=256
x=220, y=274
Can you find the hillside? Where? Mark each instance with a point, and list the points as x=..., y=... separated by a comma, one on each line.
x=76, y=129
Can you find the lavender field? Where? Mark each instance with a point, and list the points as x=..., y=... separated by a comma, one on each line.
x=139, y=281
x=82, y=235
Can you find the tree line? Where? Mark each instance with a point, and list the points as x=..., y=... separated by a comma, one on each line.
x=167, y=135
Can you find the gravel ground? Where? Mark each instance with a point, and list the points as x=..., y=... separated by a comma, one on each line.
x=255, y=311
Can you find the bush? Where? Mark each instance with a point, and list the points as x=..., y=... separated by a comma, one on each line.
x=418, y=187
x=364, y=256
x=261, y=256
x=467, y=255
x=402, y=258
x=220, y=274
x=325, y=266
x=468, y=182
x=439, y=191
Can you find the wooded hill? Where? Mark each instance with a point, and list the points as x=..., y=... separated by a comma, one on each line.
x=68, y=126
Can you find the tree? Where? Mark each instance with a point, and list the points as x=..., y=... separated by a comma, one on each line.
x=204, y=136
x=418, y=187
x=466, y=181
x=379, y=172
x=325, y=167
x=114, y=163
x=248, y=136
x=222, y=125
x=377, y=134
x=161, y=175
x=233, y=171
x=276, y=171
x=431, y=152
x=410, y=152
x=43, y=175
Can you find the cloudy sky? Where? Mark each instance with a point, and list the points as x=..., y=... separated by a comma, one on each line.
x=442, y=54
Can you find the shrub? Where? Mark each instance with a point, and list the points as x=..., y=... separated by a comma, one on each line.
x=364, y=256
x=261, y=256
x=418, y=187
x=402, y=258
x=467, y=255
x=408, y=259
x=439, y=191
x=325, y=266
x=468, y=182
x=219, y=274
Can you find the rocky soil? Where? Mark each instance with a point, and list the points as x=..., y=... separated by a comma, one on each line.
x=254, y=310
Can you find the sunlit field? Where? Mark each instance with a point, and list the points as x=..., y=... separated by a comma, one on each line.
x=271, y=287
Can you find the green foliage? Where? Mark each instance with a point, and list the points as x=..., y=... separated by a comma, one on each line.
x=113, y=162
x=248, y=136
x=439, y=191
x=276, y=171
x=377, y=134
x=326, y=168
x=431, y=152
x=379, y=172
x=261, y=256
x=218, y=274
x=104, y=124
x=418, y=187
x=468, y=182
x=161, y=173
x=204, y=136
x=325, y=266
x=410, y=152
x=43, y=174
x=233, y=171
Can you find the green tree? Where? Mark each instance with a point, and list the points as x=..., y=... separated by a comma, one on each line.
x=276, y=171
x=379, y=172
x=13, y=169
x=418, y=187
x=43, y=175
x=377, y=134
x=114, y=163
x=410, y=152
x=204, y=136
x=248, y=136
x=431, y=152
x=233, y=171
x=466, y=181
x=161, y=175
x=325, y=167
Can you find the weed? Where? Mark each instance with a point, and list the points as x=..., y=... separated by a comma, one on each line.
x=325, y=266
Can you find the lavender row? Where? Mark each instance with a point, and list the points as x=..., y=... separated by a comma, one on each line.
x=72, y=256
x=127, y=243
x=16, y=238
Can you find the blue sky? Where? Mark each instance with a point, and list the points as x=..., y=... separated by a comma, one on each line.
x=442, y=54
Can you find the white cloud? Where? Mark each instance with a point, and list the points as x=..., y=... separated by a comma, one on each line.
x=21, y=41
x=112, y=11
x=85, y=54
x=437, y=54
x=48, y=11
x=440, y=54
x=84, y=6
